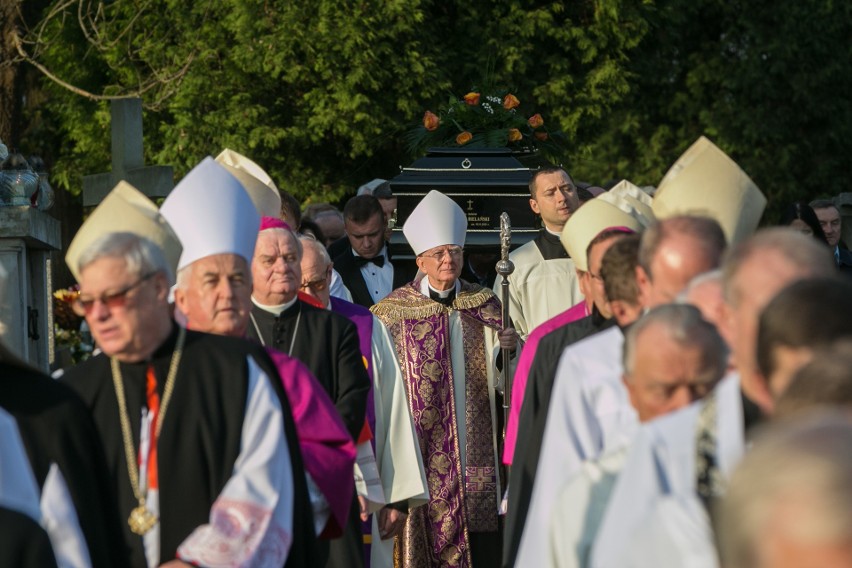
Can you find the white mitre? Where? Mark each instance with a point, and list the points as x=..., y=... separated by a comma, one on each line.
x=595, y=216
x=705, y=181
x=125, y=210
x=256, y=182
x=633, y=200
x=437, y=220
x=211, y=214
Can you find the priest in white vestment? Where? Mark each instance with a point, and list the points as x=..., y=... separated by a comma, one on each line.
x=590, y=413
x=544, y=282
x=753, y=273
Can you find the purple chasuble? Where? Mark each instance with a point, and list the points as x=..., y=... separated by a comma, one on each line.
x=460, y=502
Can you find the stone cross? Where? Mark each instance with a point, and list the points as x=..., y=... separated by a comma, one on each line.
x=128, y=163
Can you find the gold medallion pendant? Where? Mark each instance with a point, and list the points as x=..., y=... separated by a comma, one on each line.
x=141, y=520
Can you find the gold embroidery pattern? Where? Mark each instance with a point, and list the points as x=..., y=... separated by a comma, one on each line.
x=480, y=473
x=437, y=534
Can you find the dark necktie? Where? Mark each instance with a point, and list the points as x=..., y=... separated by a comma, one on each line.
x=377, y=260
x=448, y=301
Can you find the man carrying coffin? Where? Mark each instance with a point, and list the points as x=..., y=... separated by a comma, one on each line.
x=446, y=333
x=192, y=428
x=216, y=219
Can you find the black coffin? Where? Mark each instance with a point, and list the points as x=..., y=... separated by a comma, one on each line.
x=484, y=182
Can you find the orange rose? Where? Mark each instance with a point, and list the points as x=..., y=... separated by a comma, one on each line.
x=472, y=99
x=464, y=138
x=541, y=136
x=510, y=102
x=431, y=121
x=535, y=120
x=514, y=135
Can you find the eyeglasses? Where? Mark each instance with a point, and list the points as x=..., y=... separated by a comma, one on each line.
x=317, y=285
x=454, y=252
x=83, y=305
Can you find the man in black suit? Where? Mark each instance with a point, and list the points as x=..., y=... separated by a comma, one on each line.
x=365, y=268
x=830, y=221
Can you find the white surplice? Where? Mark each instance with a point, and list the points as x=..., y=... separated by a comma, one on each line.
x=579, y=509
x=655, y=517
x=251, y=521
x=398, y=456
x=337, y=288
x=51, y=506
x=539, y=289
x=18, y=487
x=589, y=416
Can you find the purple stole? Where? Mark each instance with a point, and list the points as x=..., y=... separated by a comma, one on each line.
x=363, y=320
x=460, y=502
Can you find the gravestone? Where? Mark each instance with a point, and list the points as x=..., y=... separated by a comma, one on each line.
x=128, y=162
x=27, y=237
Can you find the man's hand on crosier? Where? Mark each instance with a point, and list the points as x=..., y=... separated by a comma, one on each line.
x=508, y=338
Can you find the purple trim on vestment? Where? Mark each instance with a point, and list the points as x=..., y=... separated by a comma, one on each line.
x=519, y=382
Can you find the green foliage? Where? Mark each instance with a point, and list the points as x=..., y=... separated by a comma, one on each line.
x=322, y=93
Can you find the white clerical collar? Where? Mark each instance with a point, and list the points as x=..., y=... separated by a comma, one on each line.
x=556, y=234
x=382, y=252
x=425, y=288
x=276, y=309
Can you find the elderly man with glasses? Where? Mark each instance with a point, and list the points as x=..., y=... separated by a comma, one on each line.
x=447, y=333
x=389, y=473
x=327, y=343
x=194, y=429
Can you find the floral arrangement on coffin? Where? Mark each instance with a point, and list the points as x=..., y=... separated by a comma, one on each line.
x=484, y=120
x=66, y=325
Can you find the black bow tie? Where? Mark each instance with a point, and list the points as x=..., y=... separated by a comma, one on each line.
x=448, y=301
x=377, y=260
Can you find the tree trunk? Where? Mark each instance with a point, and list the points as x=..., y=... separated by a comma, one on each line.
x=8, y=70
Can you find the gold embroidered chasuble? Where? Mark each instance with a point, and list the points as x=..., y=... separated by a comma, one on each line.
x=446, y=358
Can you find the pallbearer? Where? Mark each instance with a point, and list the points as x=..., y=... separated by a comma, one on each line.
x=446, y=336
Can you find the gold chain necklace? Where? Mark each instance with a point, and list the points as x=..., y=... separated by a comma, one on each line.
x=141, y=520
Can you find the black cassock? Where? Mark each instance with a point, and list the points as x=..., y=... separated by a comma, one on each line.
x=327, y=343
x=56, y=428
x=23, y=543
x=200, y=437
x=533, y=419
